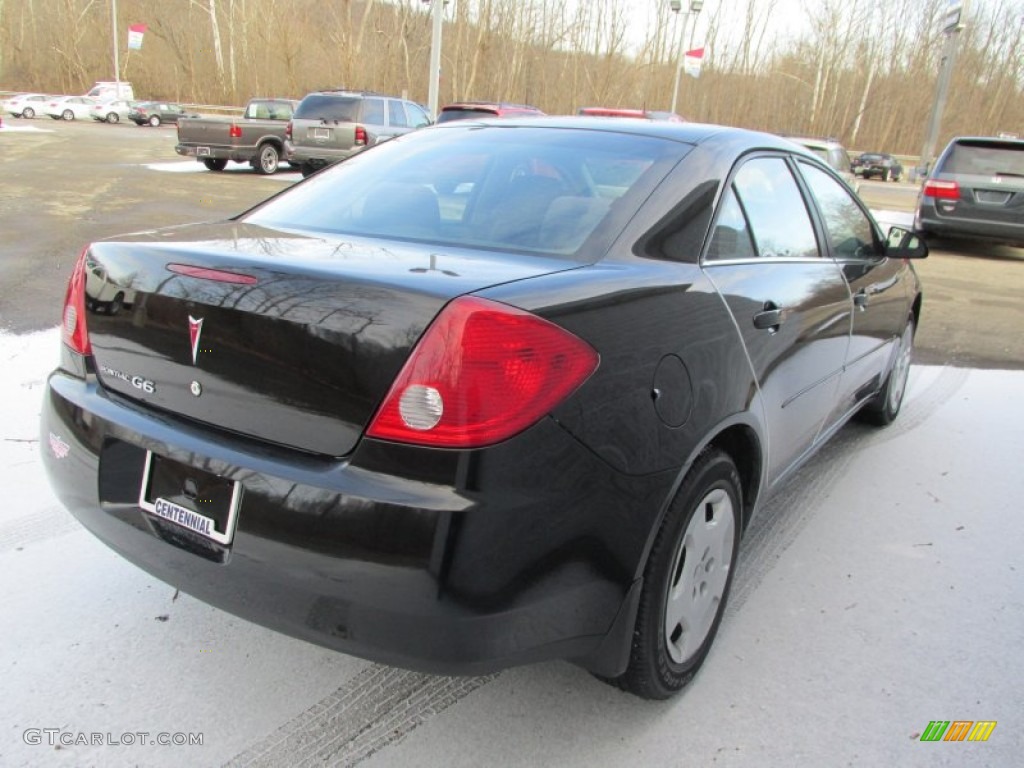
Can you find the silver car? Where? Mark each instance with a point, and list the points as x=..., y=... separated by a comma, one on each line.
x=111, y=110
x=329, y=126
x=27, y=105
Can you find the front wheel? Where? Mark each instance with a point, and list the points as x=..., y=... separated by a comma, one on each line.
x=884, y=407
x=267, y=160
x=154, y=121
x=687, y=580
x=888, y=175
x=113, y=117
x=28, y=113
x=68, y=115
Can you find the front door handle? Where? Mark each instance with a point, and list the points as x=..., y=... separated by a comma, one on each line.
x=860, y=299
x=769, y=318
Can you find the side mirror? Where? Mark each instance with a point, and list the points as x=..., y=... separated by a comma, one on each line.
x=904, y=244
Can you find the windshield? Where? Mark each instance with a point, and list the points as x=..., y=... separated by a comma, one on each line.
x=522, y=188
x=318, y=106
x=985, y=158
x=468, y=113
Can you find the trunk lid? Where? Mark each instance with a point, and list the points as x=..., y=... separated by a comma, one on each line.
x=283, y=337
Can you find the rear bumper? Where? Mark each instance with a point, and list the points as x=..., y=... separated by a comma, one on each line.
x=203, y=152
x=930, y=221
x=319, y=156
x=449, y=562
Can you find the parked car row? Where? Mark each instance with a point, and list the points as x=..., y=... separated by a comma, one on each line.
x=104, y=107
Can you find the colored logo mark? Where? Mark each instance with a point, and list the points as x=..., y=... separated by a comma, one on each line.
x=958, y=730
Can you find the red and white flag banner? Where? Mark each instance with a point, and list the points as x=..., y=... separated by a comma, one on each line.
x=692, y=62
x=135, y=33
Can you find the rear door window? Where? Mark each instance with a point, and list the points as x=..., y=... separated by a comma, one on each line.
x=396, y=114
x=373, y=112
x=777, y=221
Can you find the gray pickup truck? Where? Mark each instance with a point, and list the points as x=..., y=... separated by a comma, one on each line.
x=257, y=137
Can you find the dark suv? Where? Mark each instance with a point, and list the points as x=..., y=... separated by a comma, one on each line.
x=975, y=189
x=474, y=110
x=884, y=166
x=329, y=126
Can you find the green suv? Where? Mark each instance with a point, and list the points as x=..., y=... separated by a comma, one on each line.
x=329, y=126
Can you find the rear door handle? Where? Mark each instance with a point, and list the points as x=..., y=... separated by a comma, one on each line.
x=860, y=299
x=770, y=318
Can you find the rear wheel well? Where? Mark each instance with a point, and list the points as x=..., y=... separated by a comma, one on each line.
x=744, y=448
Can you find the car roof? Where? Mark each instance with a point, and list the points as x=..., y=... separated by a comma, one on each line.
x=690, y=133
x=1007, y=140
x=487, y=105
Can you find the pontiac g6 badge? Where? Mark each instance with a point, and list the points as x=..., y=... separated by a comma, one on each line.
x=195, y=327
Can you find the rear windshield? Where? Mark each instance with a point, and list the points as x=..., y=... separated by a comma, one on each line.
x=518, y=188
x=985, y=158
x=318, y=106
x=447, y=115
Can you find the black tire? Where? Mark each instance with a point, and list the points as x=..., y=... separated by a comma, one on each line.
x=154, y=121
x=113, y=117
x=68, y=115
x=28, y=113
x=888, y=175
x=267, y=160
x=884, y=407
x=688, y=555
x=307, y=169
x=116, y=305
x=215, y=164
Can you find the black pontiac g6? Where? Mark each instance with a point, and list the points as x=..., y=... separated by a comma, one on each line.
x=488, y=393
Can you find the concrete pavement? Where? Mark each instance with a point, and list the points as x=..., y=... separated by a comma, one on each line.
x=881, y=590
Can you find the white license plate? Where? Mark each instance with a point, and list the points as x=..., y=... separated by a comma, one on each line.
x=186, y=518
x=202, y=151
x=321, y=133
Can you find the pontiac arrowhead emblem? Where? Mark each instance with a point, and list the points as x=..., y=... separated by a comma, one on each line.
x=195, y=327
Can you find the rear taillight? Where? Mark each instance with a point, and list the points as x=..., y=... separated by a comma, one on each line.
x=945, y=190
x=235, y=131
x=360, y=136
x=74, y=332
x=288, y=130
x=482, y=373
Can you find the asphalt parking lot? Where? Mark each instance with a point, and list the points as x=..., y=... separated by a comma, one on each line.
x=881, y=590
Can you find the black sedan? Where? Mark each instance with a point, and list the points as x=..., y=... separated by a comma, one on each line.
x=884, y=166
x=156, y=113
x=486, y=394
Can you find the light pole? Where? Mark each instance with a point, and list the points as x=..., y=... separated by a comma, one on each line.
x=677, y=6
x=117, y=64
x=952, y=26
x=437, y=16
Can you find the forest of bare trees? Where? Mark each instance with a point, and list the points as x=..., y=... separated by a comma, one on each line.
x=864, y=71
